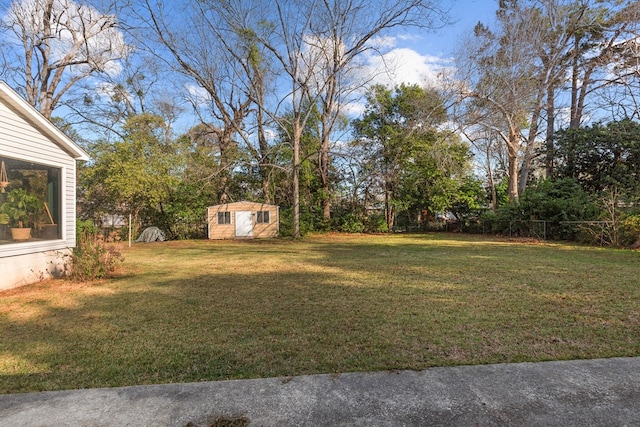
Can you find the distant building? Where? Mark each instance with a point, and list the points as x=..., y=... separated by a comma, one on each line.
x=243, y=220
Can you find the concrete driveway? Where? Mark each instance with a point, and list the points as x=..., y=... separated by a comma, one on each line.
x=603, y=392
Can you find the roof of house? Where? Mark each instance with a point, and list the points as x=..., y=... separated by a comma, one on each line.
x=11, y=98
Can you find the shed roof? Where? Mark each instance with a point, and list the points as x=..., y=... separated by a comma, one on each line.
x=242, y=202
x=11, y=98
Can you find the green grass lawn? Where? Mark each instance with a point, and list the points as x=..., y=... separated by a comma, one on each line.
x=205, y=310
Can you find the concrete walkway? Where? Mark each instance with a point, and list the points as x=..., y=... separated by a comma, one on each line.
x=603, y=392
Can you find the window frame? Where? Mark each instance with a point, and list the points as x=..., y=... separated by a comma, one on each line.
x=52, y=193
x=260, y=217
x=226, y=218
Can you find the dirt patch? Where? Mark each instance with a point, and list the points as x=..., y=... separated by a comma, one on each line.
x=224, y=421
x=525, y=240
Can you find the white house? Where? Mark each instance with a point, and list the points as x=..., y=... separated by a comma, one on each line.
x=41, y=160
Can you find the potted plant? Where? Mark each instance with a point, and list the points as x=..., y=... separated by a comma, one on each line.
x=21, y=208
x=4, y=220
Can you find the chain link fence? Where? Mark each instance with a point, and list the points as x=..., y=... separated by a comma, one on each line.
x=594, y=232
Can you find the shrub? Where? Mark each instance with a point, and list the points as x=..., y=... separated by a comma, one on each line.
x=92, y=258
x=630, y=231
x=375, y=223
x=557, y=203
x=286, y=222
x=350, y=223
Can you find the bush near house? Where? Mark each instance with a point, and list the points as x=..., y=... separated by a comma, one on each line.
x=94, y=257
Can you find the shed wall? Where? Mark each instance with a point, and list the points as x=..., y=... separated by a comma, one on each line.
x=228, y=231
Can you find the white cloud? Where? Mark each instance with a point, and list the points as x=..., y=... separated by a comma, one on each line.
x=198, y=95
x=383, y=42
x=404, y=65
x=396, y=66
x=354, y=108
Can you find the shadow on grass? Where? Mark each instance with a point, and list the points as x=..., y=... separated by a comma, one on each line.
x=310, y=307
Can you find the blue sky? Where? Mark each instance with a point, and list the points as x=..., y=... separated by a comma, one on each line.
x=420, y=54
x=465, y=14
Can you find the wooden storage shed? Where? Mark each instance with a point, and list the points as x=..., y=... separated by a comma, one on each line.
x=243, y=220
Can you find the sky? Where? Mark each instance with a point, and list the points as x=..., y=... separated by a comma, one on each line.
x=419, y=55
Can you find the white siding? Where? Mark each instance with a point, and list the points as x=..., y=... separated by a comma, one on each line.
x=24, y=269
x=21, y=140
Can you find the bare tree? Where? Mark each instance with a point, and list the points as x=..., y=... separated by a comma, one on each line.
x=500, y=73
x=315, y=44
x=202, y=56
x=58, y=43
x=106, y=103
x=339, y=33
x=594, y=46
x=622, y=97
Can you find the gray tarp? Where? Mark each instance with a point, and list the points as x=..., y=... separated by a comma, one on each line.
x=152, y=234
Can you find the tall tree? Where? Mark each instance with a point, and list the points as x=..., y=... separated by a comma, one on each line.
x=314, y=44
x=202, y=56
x=104, y=105
x=502, y=83
x=133, y=174
x=595, y=44
x=416, y=164
x=341, y=31
x=59, y=43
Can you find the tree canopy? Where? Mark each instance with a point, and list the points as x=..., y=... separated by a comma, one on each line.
x=192, y=103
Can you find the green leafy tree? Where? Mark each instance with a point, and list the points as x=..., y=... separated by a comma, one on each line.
x=133, y=174
x=416, y=165
x=602, y=157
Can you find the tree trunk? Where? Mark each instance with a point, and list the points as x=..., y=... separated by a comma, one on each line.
x=574, y=121
x=523, y=173
x=225, y=164
x=327, y=121
x=389, y=215
x=324, y=180
x=549, y=151
x=263, y=144
x=513, y=178
x=264, y=158
x=492, y=182
x=297, y=136
x=512, y=148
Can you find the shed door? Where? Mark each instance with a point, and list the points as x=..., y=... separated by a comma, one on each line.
x=244, y=224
